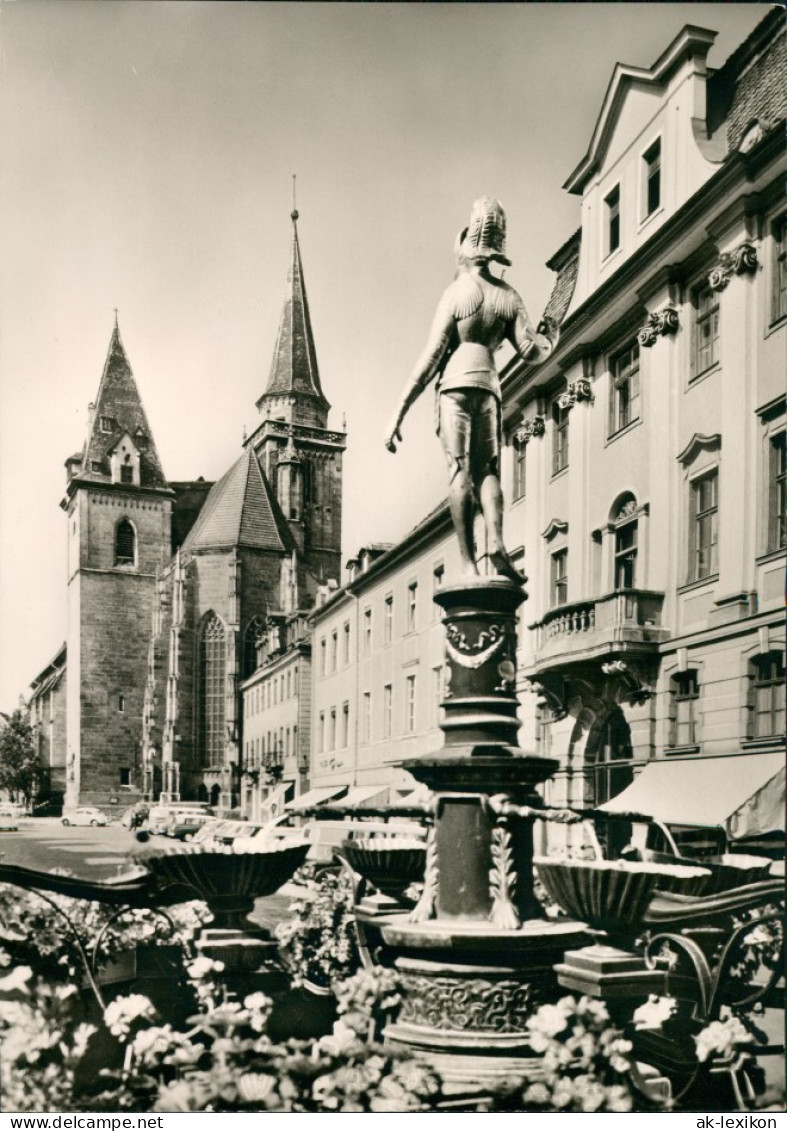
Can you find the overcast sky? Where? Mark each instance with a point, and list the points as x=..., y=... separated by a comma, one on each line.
x=147, y=151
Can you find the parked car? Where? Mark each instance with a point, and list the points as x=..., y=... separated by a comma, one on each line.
x=86, y=815
x=184, y=826
x=161, y=817
x=9, y=822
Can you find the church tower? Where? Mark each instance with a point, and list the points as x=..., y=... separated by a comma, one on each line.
x=300, y=456
x=119, y=509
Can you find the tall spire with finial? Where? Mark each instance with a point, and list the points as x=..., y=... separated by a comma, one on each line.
x=294, y=370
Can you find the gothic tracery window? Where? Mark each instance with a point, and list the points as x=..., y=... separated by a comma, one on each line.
x=212, y=675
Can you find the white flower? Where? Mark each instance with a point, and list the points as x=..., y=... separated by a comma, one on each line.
x=721, y=1037
x=654, y=1012
x=549, y=1020
x=16, y=981
x=342, y=1040
x=202, y=966
x=120, y=1013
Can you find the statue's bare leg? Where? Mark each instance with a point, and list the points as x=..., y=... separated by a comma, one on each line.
x=462, y=503
x=490, y=497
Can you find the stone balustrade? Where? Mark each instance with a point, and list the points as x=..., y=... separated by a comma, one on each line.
x=628, y=615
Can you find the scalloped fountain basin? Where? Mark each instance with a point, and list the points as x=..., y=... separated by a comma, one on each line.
x=228, y=879
x=611, y=896
x=390, y=863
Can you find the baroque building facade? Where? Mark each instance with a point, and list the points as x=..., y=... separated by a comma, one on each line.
x=649, y=451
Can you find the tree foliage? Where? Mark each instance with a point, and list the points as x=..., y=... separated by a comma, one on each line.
x=20, y=772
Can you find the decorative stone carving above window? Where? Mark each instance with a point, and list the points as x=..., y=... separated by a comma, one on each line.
x=579, y=390
x=530, y=428
x=663, y=321
x=739, y=262
x=633, y=685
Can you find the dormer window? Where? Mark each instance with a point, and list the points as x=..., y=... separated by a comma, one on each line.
x=612, y=208
x=652, y=177
x=125, y=463
x=106, y=423
x=95, y=465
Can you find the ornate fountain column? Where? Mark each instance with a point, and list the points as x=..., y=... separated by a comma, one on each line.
x=476, y=955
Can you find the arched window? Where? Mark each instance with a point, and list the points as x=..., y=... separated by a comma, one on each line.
x=251, y=637
x=626, y=536
x=125, y=543
x=611, y=757
x=212, y=678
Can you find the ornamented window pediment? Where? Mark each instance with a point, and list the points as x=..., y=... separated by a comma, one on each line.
x=699, y=443
x=556, y=526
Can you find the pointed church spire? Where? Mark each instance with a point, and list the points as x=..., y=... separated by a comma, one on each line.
x=294, y=370
x=118, y=413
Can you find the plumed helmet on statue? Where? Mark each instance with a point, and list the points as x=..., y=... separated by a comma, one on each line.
x=485, y=235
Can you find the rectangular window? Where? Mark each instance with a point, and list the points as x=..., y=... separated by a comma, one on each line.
x=323, y=656
x=652, y=173
x=518, y=480
x=612, y=207
x=626, y=556
x=706, y=329
x=780, y=269
x=367, y=632
x=345, y=736
x=332, y=730
x=686, y=693
x=121, y=703
x=704, y=527
x=388, y=619
x=95, y=465
x=106, y=423
x=560, y=438
x=125, y=775
x=334, y=650
x=387, y=710
x=346, y=643
x=412, y=606
x=321, y=733
x=624, y=389
x=769, y=695
x=777, y=492
x=126, y=473
x=410, y=704
x=559, y=578
x=366, y=709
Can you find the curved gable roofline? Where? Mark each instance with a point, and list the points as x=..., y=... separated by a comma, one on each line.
x=690, y=41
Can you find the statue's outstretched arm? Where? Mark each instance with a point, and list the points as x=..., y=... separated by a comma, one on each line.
x=534, y=346
x=438, y=347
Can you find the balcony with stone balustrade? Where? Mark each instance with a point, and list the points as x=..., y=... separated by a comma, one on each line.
x=628, y=620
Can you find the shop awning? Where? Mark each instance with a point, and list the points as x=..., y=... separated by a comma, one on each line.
x=742, y=793
x=361, y=795
x=314, y=797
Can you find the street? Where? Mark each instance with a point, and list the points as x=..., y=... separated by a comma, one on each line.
x=44, y=843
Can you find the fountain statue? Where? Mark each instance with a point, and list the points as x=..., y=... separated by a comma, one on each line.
x=476, y=314
x=476, y=954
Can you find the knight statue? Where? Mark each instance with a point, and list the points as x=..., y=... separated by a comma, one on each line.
x=477, y=312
